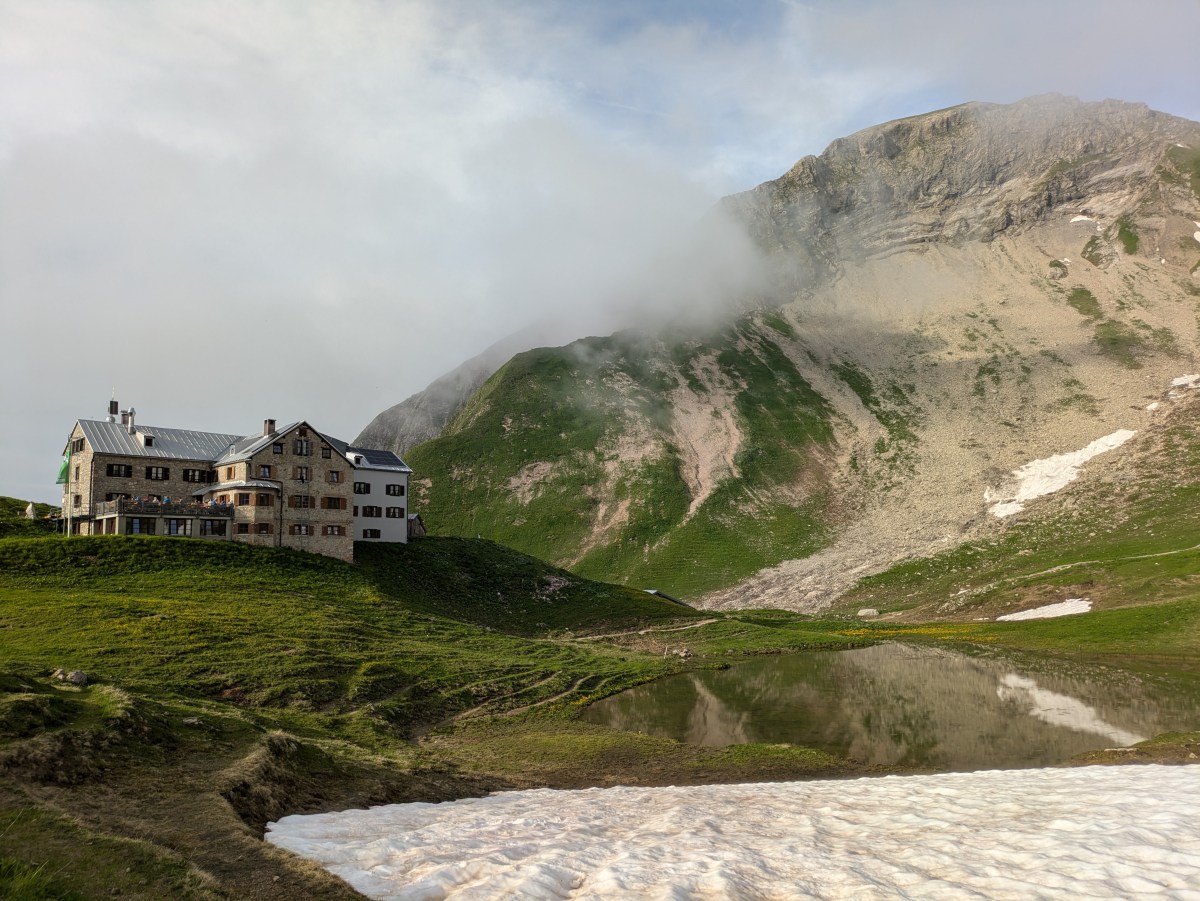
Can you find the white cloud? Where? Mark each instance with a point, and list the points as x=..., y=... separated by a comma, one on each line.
x=356, y=196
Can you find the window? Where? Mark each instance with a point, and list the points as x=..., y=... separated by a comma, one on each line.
x=362, y=487
x=395, y=513
x=302, y=447
x=265, y=500
x=147, y=441
x=222, y=498
x=302, y=501
x=277, y=447
x=194, y=475
x=264, y=471
x=301, y=473
x=139, y=526
x=243, y=499
x=301, y=528
x=120, y=470
x=373, y=511
x=356, y=510
x=228, y=473
x=177, y=527
x=214, y=526
x=302, y=432
x=77, y=500
x=262, y=528
x=77, y=446
x=158, y=473
x=333, y=503
x=327, y=453
x=395, y=490
x=243, y=528
x=333, y=476
x=371, y=533
x=76, y=473
x=333, y=530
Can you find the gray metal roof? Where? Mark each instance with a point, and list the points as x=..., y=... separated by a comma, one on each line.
x=244, y=448
x=169, y=444
x=375, y=459
x=183, y=444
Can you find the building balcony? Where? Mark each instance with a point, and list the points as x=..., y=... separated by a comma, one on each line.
x=136, y=507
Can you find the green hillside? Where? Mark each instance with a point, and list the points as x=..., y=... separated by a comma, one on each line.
x=229, y=685
x=574, y=455
x=13, y=521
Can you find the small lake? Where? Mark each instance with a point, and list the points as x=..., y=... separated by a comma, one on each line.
x=917, y=706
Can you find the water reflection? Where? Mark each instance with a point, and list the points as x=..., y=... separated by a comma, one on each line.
x=918, y=706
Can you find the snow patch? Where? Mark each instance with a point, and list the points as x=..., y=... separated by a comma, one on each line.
x=1119, y=832
x=1186, y=381
x=1152, y=407
x=1041, y=477
x=1196, y=235
x=1063, y=608
x=1083, y=219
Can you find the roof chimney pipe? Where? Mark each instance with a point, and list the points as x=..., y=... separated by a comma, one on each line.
x=268, y=427
x=131, y=424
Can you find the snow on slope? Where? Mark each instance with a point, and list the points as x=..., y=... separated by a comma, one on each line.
x=1041, y=477
x=1093, y=832
x=1069, y=607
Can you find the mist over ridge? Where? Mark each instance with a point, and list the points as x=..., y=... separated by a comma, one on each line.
x=941, y=300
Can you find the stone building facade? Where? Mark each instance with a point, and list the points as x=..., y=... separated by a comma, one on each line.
x=286, y=487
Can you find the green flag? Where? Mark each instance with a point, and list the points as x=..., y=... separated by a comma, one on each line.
x=64, y=468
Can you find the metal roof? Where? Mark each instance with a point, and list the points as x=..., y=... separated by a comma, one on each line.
x=244, y=448
x=376, y=459
x=169, y=444
x=183, y=444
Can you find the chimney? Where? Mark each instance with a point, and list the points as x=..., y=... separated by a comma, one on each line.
x=268, y=427
x=128, y=419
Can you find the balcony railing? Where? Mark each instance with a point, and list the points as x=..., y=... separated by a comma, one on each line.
x=136, y=507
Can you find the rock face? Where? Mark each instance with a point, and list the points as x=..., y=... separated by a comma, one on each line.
x=958, y=294
x=422, y=416
x=968, y=173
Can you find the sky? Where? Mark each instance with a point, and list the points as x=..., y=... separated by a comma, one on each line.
x=222, y=211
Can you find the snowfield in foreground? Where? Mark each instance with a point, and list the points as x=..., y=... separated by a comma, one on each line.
x=1091, y=832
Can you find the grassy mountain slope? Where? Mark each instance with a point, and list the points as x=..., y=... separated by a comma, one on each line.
x=960, y=293
x=676, y=464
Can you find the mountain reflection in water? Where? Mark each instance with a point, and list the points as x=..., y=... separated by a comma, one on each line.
x=916, y=706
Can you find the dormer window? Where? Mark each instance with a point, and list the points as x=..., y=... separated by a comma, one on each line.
x=148, y=441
